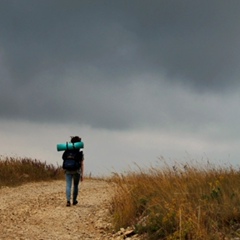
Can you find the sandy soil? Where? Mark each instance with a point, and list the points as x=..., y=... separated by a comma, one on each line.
x=38, y=211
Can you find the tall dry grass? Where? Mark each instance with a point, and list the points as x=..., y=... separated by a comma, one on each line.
x=16, y=171
x=180, y=202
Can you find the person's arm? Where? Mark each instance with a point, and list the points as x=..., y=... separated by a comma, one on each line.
x=82, y=165
x=82, y=169
x=64, y=155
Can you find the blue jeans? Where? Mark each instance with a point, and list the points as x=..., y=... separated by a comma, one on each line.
x=72, y=177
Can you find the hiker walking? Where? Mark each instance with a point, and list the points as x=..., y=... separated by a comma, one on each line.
x=74, y=167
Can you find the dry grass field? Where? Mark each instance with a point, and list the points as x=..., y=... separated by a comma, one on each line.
x=178, y=202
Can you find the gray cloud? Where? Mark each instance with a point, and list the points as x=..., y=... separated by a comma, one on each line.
x=82, y=60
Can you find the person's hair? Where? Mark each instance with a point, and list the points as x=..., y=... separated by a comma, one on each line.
x=75, y=139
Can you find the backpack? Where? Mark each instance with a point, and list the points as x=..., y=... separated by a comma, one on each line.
x=71, y=160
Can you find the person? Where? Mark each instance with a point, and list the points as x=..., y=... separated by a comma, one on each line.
x=74, y=176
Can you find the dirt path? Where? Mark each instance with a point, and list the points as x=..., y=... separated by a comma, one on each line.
x=37, y=211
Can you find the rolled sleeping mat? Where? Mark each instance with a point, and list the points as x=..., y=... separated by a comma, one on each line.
x=69, y=146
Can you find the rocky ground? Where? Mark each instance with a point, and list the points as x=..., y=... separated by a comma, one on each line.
x=37, y=211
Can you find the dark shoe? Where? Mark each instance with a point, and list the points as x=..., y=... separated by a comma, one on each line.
x=68, y=204
x=75, y=202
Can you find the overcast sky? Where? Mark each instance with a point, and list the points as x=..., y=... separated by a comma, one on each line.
x=136, y=79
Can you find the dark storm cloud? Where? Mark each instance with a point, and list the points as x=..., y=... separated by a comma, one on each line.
x=65, y=59
x=197, y=40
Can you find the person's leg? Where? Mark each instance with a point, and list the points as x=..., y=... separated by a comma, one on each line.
x=76, y=179
x=68, y=187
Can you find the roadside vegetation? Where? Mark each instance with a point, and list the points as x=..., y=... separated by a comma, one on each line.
x=17, y=171
x=179, y=202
